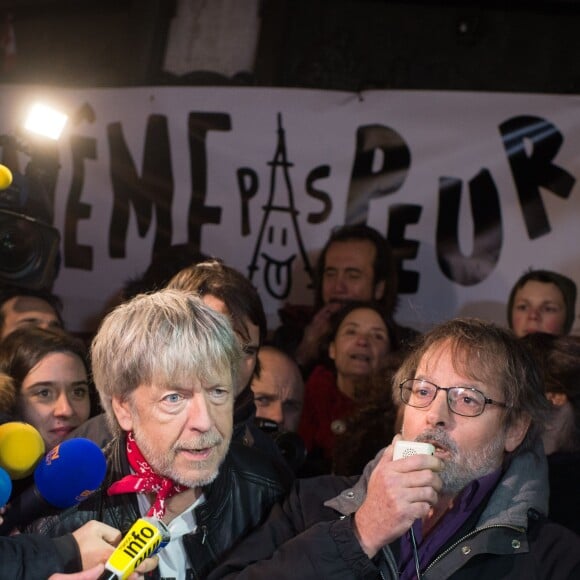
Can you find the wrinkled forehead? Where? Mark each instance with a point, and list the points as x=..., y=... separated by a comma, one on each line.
x=279, y=375
x=182, y=377
x=467, y=360
x=292, y=387
x=171, y=366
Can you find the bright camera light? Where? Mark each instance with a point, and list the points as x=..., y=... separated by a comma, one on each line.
x=45, y=121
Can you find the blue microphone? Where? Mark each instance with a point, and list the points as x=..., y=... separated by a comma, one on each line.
x=68, y=474
x=5, y=487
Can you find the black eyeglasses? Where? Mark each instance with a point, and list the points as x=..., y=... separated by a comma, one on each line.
x=465, y=401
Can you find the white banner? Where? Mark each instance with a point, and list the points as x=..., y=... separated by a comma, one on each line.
x=471, y=188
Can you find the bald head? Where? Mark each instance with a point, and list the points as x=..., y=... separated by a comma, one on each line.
x=279, y=390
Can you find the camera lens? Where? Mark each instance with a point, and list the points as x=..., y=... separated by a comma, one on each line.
x=292, y=448
x=290, y=444
x=18, y=247
x=28, y=250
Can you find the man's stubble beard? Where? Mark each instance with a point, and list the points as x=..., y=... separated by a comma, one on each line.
x=164, y=465
x=461, y=469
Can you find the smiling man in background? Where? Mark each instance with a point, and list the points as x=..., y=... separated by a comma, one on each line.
x=356, y=264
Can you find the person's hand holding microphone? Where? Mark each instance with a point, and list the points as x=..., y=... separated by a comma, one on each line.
x=399, y=492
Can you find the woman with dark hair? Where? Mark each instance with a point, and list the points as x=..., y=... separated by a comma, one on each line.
x=7, y=396
x=542, y=301
x=559, y=359
x=50, y=375
x=356, y=349
x=374, y=423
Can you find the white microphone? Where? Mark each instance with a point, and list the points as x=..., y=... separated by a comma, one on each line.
x=402, y=450
x=407, y=448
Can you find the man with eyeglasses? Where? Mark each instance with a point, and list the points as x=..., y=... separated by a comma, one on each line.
x=475, y=509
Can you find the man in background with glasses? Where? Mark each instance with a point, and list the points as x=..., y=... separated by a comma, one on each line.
x=475, y=509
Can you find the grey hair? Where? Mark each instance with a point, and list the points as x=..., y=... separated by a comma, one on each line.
x=162, y=338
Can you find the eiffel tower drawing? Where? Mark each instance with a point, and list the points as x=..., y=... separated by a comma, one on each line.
x=279, y=218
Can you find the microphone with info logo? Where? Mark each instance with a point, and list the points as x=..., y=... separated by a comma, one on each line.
x=145, y=538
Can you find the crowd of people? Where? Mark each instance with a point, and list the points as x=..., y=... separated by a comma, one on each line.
x=269, y=451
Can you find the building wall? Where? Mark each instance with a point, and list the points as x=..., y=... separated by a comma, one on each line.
x=531, y=47
x=329, y=44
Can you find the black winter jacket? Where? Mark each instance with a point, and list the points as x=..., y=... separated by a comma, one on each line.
x=31, y=556
x=247, y=485
x=311, y=536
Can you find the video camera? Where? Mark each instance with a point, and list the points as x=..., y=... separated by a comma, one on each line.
x=290, y=444
x=28, y=251
x=29, y=245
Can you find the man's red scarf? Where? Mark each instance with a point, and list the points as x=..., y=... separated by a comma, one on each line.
x=145, y=480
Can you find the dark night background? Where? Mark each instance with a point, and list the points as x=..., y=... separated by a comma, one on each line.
x=328, y=44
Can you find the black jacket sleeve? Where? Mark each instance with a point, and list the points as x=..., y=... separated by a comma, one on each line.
x=301, y=539
x=33, y=556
